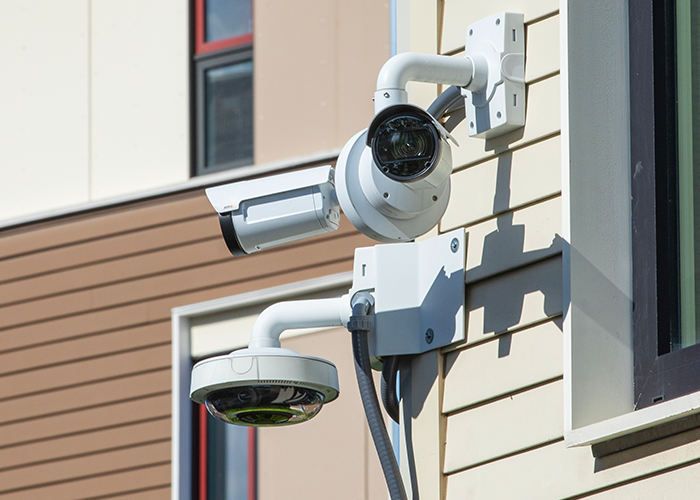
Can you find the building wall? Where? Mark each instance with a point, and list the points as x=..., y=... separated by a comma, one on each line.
x=96, y=94
x=95, y=100
x=85, y=307
x=487, y=416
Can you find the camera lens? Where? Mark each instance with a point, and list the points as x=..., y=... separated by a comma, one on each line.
x=404, y=147
x=264, y=405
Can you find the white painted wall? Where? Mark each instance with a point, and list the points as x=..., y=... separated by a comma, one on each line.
x=94, y=100
x=139, y=95
x=43, y=105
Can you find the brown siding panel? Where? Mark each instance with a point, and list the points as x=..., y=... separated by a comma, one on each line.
x=85, y=304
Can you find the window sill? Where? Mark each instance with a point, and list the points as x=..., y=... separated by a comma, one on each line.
x=638, y=427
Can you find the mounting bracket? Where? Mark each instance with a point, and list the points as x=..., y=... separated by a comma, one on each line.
x=499, y=107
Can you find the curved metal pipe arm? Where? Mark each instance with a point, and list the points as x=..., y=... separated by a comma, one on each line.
x=468, y=72
x=292, y=314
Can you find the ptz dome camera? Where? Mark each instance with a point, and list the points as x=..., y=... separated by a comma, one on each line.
x=393, y=179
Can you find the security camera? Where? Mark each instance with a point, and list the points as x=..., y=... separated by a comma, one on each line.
x=264, y=387
x=409, y=145
x=270, y=211
x=393, y=179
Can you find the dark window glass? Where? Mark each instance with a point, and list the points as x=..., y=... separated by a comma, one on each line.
x=227, y=19
x=227, y=460
x=228, y=115
x=663, y=103
x=688, y=76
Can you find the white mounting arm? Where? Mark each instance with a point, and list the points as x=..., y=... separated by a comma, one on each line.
x=468, y=72
x=298, y=314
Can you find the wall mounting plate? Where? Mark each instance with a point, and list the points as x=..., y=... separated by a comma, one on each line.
x=499, y=107
x=418, y=290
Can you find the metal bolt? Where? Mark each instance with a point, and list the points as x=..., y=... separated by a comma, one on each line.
x=454, y=245
x=386, y=94
x=429, y=336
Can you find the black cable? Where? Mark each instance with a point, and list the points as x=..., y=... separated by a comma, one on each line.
x=390, y=370
x=368, y=393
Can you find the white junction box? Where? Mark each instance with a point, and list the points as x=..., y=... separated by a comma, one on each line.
x=418, y=290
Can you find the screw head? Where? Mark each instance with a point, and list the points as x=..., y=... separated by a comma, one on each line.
x=454, y=245
x=429, y=335
x=386, y=95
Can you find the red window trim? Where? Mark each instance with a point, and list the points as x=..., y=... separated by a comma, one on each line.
x=252, y=457
x=201, y=46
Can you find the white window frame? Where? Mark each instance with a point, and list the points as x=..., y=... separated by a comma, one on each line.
x=182, y=318
x=598, y=350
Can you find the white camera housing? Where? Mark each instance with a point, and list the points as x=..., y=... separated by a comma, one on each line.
x=263, y=387
x=270, y=211
x=395, y=204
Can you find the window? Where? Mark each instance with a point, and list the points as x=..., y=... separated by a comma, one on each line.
x=211, y=459
x=667, y=357
x=629, y=296
x=226, y=459
x=223, y=84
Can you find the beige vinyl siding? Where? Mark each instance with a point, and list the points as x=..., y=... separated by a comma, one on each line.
x=522, y=359
x=502, y=393
x=85, y=307
x=501, y=389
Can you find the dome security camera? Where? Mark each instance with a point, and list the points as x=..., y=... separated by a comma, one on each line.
x=264, y=387
x=393, y=179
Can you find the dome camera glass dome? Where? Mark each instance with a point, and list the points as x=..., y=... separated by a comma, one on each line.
x=404, y=147
x=264, y=405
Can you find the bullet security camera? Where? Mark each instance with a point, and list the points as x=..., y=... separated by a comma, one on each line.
x=270, y=211
x=264, y=387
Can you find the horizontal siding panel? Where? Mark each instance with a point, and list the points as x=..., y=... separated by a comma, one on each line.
x=542, y=120
x=169, y=259
x=110, y=247
x=108, y=486
x=84, y=396
x=542, y=48
x=505, y=426
x=181, y=281
x=514, y=239
x=83, y=444
x=129, y=269
x=504, y=183
x=514, y=300
x=80, y=348
x=458, y=14
x=555, y=471
x=41, y=236
x=503, y=365
x=86, y=420
x=676, y=484
x=159, y=309
x=101, y=463
x=81, y=372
